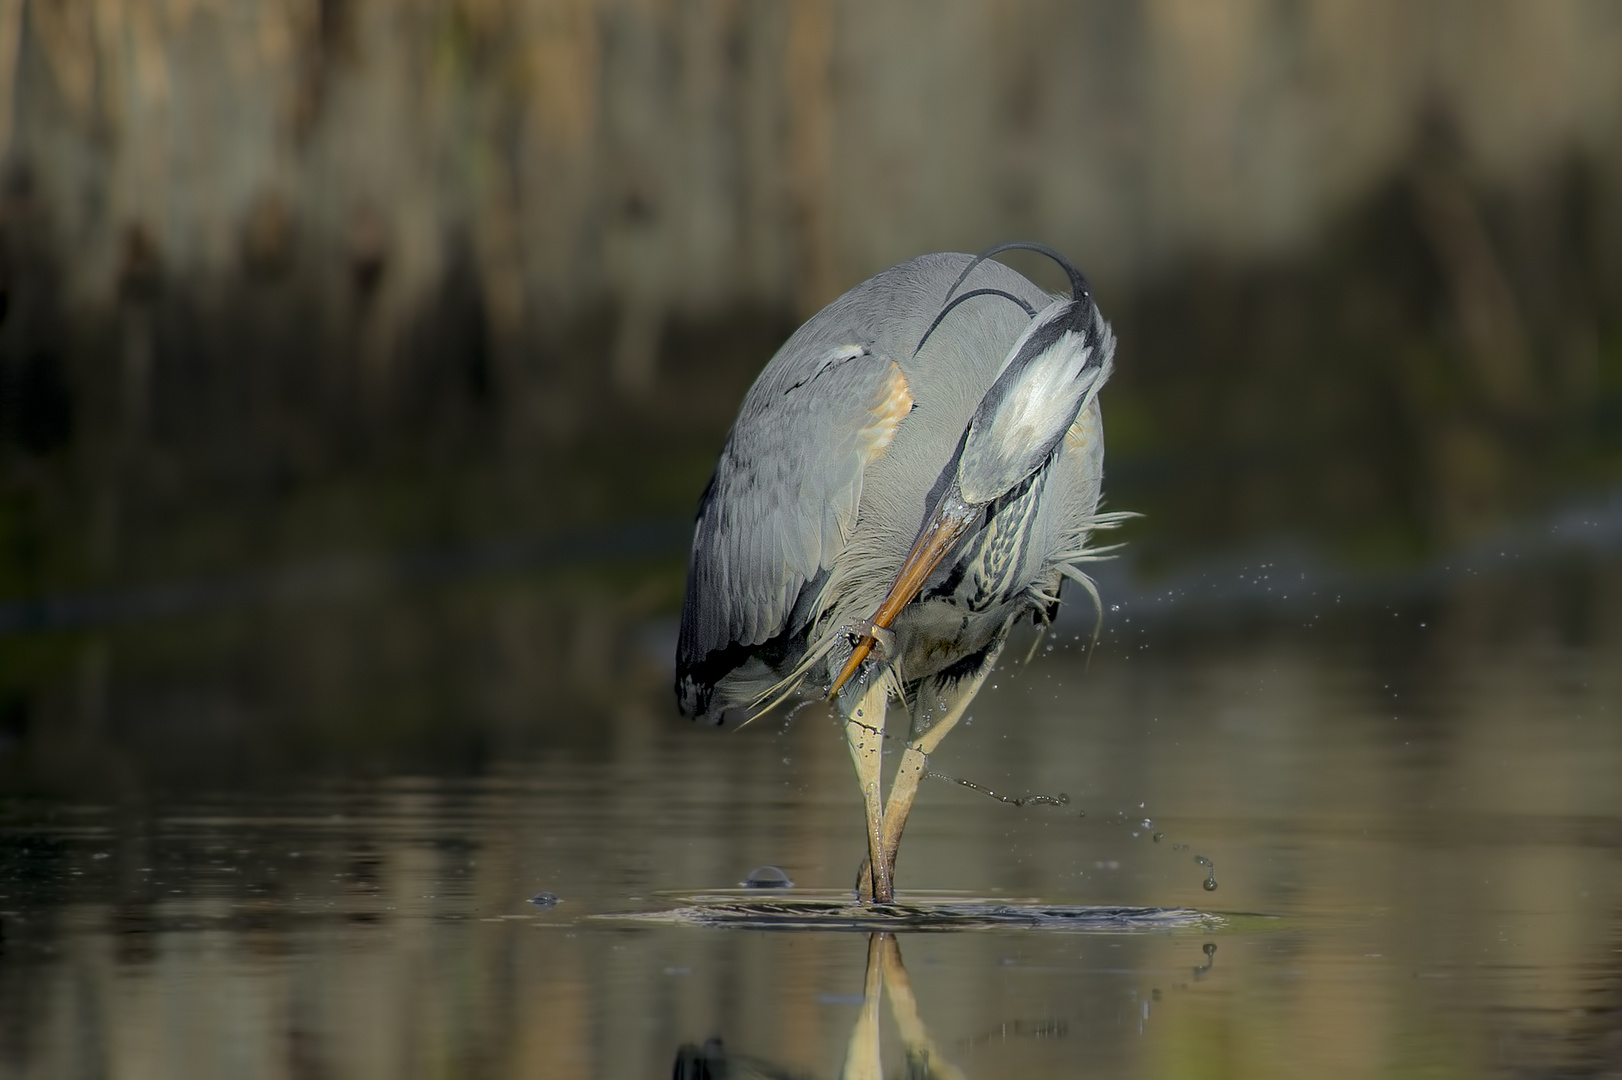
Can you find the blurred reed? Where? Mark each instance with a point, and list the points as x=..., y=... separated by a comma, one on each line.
x=305, y=275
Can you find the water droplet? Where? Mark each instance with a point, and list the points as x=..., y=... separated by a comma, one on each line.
x=1148, y=823
x=767, y=877
x=1159, y=836
x=1210, y=877
x=545, y=900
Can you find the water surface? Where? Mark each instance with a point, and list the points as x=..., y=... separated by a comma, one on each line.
x=1412, y=811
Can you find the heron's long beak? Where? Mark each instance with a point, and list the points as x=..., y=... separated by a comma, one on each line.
x=936, y=540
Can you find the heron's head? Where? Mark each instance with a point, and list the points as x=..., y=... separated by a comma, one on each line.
x=1049, y=375
x=1047, y=378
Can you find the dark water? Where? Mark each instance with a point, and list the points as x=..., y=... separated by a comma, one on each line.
x=1412, y=809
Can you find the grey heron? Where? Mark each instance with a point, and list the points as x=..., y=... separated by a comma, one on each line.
x=916, y=469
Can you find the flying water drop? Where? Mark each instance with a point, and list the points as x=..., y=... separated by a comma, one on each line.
x=1210, y=877
x=1060, y=799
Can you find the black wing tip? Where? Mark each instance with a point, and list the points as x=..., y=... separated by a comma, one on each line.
x=693, y=697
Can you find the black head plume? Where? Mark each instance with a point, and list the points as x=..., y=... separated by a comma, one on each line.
x=1079, y=288
x=1029, y=311
x=1078, y=284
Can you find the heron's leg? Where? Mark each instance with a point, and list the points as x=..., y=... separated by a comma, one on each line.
x=924, y=740
x=862, y=1059
x=864, y=732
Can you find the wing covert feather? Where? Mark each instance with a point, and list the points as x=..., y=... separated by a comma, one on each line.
x=786, y=490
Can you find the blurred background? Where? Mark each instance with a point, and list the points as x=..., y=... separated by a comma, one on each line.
x=307, y=301
x=362, y=362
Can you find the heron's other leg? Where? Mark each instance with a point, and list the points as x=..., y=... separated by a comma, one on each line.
x=954, y=687
x=864, y=732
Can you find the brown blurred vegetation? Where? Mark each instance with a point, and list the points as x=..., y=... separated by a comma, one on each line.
x=1446, y=357
x=309, y=275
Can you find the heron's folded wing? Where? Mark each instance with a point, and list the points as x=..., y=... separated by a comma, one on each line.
x=785, y=495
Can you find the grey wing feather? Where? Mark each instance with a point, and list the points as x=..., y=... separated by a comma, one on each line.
x=784, y=497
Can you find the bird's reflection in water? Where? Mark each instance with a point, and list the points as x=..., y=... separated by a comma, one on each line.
x=886, y=978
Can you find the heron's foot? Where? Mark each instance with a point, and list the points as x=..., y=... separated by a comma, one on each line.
x=883, y=642
x=864, y=884
x=877, y=641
